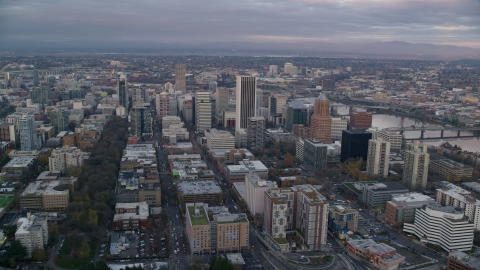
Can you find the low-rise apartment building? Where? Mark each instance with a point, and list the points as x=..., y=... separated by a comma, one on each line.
x=130, y=216
x=342, y=220
x=381, y=255
x=450, y=170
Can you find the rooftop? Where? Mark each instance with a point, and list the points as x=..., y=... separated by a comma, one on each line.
x=449, y=163
x=371, y=245
x=140, y=213
x=445, y=209
x=465, y=259
x=458, y=193
x=199, y=187
x=197, y=215
x=410, y=198
x=20, y=162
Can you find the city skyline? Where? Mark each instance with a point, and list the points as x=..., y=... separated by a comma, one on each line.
x=309, y=23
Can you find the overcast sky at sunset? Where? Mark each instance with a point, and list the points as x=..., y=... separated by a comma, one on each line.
x=455, y=22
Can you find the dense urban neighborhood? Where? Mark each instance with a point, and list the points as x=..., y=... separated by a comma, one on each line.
x=145, y=161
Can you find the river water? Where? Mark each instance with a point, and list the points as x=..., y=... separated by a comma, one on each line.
x=382, y=121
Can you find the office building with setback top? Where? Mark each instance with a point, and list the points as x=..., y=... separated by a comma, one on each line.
x=444, y=226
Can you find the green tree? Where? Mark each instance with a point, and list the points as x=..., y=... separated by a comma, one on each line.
x=9, y=231
x=288, y=160
x=17, y=251
x=43, y=159
x=39, y=255
x=53, y=232
x=102, y=265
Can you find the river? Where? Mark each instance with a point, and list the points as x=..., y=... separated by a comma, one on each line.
x=382, y=121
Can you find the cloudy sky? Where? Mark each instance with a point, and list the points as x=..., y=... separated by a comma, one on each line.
x=454, y=22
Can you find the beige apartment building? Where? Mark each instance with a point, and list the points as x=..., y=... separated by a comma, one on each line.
x=215, y=230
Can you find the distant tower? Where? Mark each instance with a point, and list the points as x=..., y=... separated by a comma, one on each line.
x=221, y=101
x=26, y=126
x=122, y=92
x=35, y=77
x=7, y=79
x=212, y=86
x=321, y=123
x=180, y=77
x=287, y=68
x=272, y=70
x=203, y=111
x=258, y=99
x=246, y=99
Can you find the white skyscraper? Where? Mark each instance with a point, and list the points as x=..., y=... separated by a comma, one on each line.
x=378, y=158
x=245, y=101
x=203, y=111
x=26, y=126
x=272, y=70
x=287, y=68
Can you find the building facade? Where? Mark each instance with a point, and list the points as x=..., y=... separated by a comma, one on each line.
x=245, y=100
x=181, y=77
x=338, y=125
x=219, y=139
x=62, y=159
x=221, y=101
x=254, y=191
x=394, y=138
x=355, y=144
x=26, y=126
x=122, y=92
x=415, y=168
x=445, y=226
x=321, y=121
x=203, y=111
x=315, y=155
x=378, y=158
x=401, y=208
x=255, y=133
x=361, y=120
x=162, y=104
x=214, y=230
x=342, y=220
x=32, y=232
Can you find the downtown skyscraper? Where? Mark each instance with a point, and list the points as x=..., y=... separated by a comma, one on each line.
x=26, y=126
x=203, y=111
x=122, y=92
x=180, y=77
x=245, y=100
x=321, y=124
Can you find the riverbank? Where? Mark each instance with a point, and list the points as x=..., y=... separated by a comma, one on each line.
x=390, y=111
